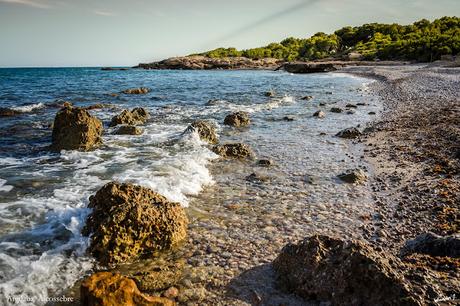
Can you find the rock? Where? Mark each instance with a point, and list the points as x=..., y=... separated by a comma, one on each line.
x=257, y=178
x=349, y=133
x=270, y=93
x=238, y=119
x=361, y=104
x=434, y=245
x=371, y=113
x=349, y=105
x=336, y=110
x=351, y=112
x=129, y=220
x=75, y=129
x=7, y=112
x=136, y=91
x=308, y=98
x=112, y=289
x=233, y=150
x=288, y=118
x=136, y=116
x=319, y=114
x=171, y=293
x=322, y=104
x=205, y=130
x=356, y=176
x=341, y=272
x=311, y=67
x=128, y=130
x=265, y=162
x=96, y=106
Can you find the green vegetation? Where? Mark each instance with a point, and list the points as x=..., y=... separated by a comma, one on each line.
x=422, y=41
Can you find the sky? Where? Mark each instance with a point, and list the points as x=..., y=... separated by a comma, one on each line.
x=65, y=33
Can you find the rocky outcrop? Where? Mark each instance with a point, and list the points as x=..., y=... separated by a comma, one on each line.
x=75, y=129
x=319, y=114
x=137, y=91
x=349, y=133
x=111, y=289
x=434, y=245
x=356, y=176
x=205, y=130
x=129, y=220
x=237, y=119
x=233, y=150
x=136, y=116
x=344, y=273
x=128, y=130
x=309, y=67
x=198, y=62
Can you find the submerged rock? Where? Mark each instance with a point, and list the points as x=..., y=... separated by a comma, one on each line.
x=136, y=91
x=288, y=118
x=75, y=129
x=336, y=110
x=128, y=130
x=270, y=93
x=343, y=273
x=308, y=98
x=434, y=245
x=7, y=112
x=237, y=119
x=350, y=105
x=135, y=116
x=320, y=114
x=349, y=133
x=233, y=150
x=356, y=176
x=265, y=162
x=111, y=289
x=129, y=220
x=205, y=130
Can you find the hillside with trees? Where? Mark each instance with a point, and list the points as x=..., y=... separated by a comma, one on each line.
x=423, y=41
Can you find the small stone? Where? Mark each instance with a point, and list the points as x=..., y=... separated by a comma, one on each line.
x=349, y=133
x=336, y=110
x=350, y=105
x=319, y=114
x=265, y=162
x=356, y=176
x=288, y=118
x=270, y=93
x=308, y=98
x=233, y=150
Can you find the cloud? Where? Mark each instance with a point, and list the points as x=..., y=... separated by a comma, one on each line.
x=104, y=13
x=30, y=3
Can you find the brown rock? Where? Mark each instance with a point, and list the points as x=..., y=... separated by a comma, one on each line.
x=136, y=116
x=265, y=162
x=356, y=176
x=343, y=273
x=319, y=114
x=233, y=150
x=129, y=220
x=75, y=129
x=434, y=245
x=7, y=112
x=238, y=119
x=349, y=133
x=137, y=91
x=109, y=289
x=205, y=130
x=128, y=130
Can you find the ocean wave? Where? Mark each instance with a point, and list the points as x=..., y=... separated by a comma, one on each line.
x=28, y=108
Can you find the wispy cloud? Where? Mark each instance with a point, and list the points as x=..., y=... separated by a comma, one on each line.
x=31, y=3
x=104, y=13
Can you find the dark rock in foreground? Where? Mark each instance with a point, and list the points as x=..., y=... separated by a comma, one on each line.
x=110, y=289
x=75, y=129
x=349, y=133
x=129, y=220
x=308, y=67
x=344, y=273
x=233, y=150
x=205, y=130
x=137, y=91
x=128, y=130
x=237, y=119
x=136, y=116
x=356, y=176
x=434, y=245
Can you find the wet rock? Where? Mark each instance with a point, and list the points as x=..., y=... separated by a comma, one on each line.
x=205, y=130
x=129, y=220
x=288, y=118
x=233, y=150
x=110, y=289
x=270, y=93
x=434, y=245
x=137, y=91
x=7, y=112
x=265, y=162
x=356, y=176
x=257, y=178
x=322, y=104
x=307, y=98
x=371, y=113
x=349, y=133
x=135, y=116
x=128, y=130
x=98, y=106
x=350, y=105
x=319, y=114
x=351, y=112
x=341, y=272
x=336, y=110
x=238, y=119
x=75, y=129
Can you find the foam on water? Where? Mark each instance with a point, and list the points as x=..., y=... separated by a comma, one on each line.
x=28, y=108
x=4, y=187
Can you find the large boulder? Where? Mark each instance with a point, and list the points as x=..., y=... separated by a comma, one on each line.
x=343, y=273
x=129, y=220
x=233, y=150
x=205, y=130
x=349, y=133
x=112, y=289
x=237, y=119
x=136, y=91
x=75, y=129
x=135, y=116
x=434, y=245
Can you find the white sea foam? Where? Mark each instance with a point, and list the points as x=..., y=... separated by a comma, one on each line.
x=4, y=187
x=28, y=108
